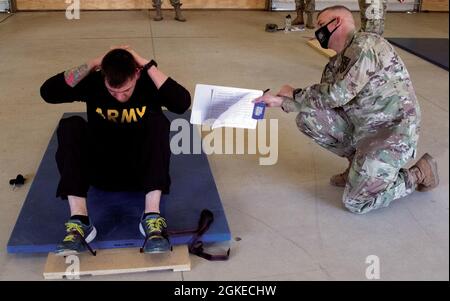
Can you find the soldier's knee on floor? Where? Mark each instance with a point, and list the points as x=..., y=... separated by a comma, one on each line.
x=357, y=206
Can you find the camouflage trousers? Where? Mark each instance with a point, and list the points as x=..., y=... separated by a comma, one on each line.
x=308, y=6
x=159, y=2
x=373, y=13
x=376, y=176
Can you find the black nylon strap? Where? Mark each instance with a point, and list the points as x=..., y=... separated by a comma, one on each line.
x=195, y=244
x=75, y=232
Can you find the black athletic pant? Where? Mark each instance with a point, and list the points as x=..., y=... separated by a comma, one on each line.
x=122, y=162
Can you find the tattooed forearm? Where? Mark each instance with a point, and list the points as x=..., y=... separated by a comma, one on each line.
x=75, y=75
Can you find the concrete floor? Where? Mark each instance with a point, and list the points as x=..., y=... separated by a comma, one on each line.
x=291, y=222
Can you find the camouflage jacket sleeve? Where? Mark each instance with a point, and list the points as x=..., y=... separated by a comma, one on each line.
x=356, y=65
x=329, y=71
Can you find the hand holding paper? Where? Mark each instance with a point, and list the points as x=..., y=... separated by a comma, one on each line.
x=270, y=100
x=224, y=106
x=287, y=91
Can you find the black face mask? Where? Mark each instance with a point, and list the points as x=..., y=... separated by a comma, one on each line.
x=323, y=35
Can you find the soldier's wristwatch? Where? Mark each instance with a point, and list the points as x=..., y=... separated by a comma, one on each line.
x=149, y=65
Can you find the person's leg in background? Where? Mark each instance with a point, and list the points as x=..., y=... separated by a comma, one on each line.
x=72, y=161
x=309, y=9
x=177, y=6
x=372, y=13
x=307, y=6
x=157, y=5
x=299, y=8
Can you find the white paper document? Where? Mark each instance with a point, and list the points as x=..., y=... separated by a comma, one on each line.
x=219, y=106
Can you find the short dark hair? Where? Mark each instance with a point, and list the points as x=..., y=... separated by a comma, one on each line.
x=118, y=66
x=334, y=7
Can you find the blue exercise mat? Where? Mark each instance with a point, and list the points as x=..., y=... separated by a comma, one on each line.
x=434, y=51
x=40, y=225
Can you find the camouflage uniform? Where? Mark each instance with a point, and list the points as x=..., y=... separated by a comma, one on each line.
x=308, y=6
x=373, y=13
x=159, y=2
x=365, y=108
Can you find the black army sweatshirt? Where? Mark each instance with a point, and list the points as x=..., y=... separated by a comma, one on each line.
x=109, y=119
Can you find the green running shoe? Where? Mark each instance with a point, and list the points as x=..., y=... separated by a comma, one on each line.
x=78, y=235
x=154, y=228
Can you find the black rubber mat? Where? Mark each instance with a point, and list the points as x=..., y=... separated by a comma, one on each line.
x=434, y=51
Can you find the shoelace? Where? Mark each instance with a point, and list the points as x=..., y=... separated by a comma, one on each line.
x=74, y=230
x=156, y=225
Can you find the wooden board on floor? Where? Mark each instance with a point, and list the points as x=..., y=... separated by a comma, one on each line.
x=118, y=261
x=139, y=4
x=316, y=45
x=434, y=5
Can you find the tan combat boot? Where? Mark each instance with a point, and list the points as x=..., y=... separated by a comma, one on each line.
x=424, y=174
x=178, y=15
x=340, y=180
x=159, y=15
x=309, y=21
x=299, y=19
